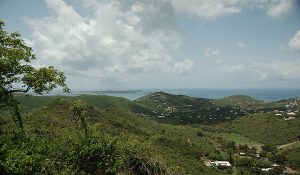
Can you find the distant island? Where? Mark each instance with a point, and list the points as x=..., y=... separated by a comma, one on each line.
x=111, y=91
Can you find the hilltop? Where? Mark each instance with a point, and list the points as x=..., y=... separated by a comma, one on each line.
x=186, y=110
x=31, y=102
x=237, y=100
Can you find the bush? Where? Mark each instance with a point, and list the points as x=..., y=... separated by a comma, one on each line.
x=216, y=156
x=20, y=163
x=146, y=166
x=200, y=134
x=244, y=162
x=268, y=148
x=262, y=163
x=97, y=158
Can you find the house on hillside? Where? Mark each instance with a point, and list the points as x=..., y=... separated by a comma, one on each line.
x=220, y=164
x=291, y=114
x=242, y=154
x=266, y=169
x=289, y=118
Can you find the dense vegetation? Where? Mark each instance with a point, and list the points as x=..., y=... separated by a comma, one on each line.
x=117, y=142
x=107, y=135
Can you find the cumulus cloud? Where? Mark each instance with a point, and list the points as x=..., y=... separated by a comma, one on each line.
x=295, y=41
x=211, y=52
x=117, y=38
x=280, y=8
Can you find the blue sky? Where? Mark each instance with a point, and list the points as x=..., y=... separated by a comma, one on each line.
x=136, y=44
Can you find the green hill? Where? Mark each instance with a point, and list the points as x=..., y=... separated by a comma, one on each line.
x=237, y=100
x=98, y=101
x=265, y=128
x=55, y=135
x=158, y=100
x=111, y=134
x=187, y=110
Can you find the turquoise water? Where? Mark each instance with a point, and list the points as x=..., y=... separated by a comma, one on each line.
x=261, y=94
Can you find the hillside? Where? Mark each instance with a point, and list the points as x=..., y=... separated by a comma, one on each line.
x=158, y=100
x=237, y=100
x=98, y=101
x=265, y=128
x=186, y=110
x=179, y=148
x=133, y=134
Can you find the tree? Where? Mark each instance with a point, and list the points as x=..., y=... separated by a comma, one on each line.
x=230, y=145
x=17, y=75
x=268, y=148
x=79, y=112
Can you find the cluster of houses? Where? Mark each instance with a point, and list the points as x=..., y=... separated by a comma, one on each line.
x=226, y=165
x=290, y=111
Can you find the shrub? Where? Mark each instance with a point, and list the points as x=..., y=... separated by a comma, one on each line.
x=20, y=163
x=145, y=166
x=200, y=134
x=244, y=162
x=97, y=158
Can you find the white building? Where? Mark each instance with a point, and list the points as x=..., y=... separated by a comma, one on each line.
x=291, y=114
x=220, y=164
x=289, y=118
x=242, y=154
x=266, y=169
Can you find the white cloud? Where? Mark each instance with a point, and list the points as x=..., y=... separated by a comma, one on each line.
x=211, y=10
x=211, y=52
x=280, y=8
x=206, y=9
x=120, y=38
x=267, y=70
x=184, y=67
x=241, y=44
x=28, y=42
x=295, y=41
x=219, y=61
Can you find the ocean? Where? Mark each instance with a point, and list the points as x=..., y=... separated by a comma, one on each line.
x=260, y=94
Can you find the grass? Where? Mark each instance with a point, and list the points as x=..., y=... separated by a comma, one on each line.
x=264, y=128
x=240, y=139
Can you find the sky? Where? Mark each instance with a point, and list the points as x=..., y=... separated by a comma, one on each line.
x=145, y=44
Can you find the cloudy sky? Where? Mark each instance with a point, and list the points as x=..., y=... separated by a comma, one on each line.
x=136, y=44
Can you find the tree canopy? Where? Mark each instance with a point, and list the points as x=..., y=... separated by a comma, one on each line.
x=18, y=75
